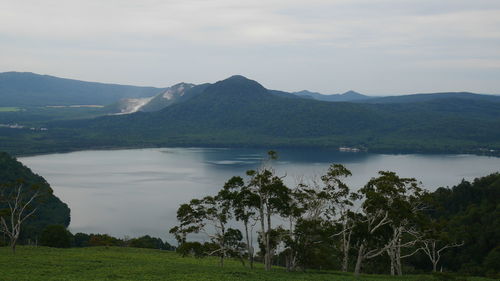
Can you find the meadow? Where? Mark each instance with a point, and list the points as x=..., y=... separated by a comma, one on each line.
x=9, y=109
x=116, y=263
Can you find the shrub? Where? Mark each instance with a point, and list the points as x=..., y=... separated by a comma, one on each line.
x=56, y=236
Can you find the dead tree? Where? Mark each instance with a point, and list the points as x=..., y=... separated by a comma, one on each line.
x=18, y=208
x=433, y=251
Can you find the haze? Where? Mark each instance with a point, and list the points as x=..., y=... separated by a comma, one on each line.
x=374, y=47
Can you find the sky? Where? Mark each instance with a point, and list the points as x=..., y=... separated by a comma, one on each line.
x=376, y=47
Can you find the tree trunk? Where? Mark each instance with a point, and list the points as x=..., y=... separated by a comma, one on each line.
x=391, y=257
x=359, y=261
x=346, y=245
x=263, y=231
x=268, y=242
x=13, y=244
x=222, y=244
x=399, y=268
x=249, y=246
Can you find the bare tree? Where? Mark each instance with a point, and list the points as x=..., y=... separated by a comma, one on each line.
x=18, y=208
x=432, y=249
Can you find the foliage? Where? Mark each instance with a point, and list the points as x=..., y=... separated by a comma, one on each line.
x=50, y=210
x=149, y=243
x=470, y=213
x=56, y=236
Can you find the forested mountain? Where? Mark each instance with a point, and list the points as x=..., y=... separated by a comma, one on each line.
x=50, y=209
x=416, y=98
x=239, y=111
x=347, y=96
x=30, y=89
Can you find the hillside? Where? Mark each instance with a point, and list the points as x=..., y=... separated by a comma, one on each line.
x=241, y=111
x=347, y=96
x=30, y=89
x=51, y=210
x=418, y=98
x=112, y=263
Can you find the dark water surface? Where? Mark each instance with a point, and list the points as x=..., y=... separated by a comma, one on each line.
x=135, y=192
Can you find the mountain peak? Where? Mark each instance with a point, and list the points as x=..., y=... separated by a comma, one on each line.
x=351, y=93
x=237, y=86
x=237, y=76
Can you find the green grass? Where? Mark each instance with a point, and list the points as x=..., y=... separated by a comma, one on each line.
x=101, y=263
x=9, y=109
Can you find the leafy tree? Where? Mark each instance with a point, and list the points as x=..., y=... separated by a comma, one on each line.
x=340, y=201
x=389, y=208
x=149, y=243
x=81, y=240
x=213, y=211
x=56, y=236
x=273, y=196
x=243, y=203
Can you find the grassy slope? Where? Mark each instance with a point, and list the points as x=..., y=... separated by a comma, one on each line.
x=9, y=109
x=99, y=263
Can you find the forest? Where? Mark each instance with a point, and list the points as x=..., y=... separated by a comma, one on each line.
x=390, y=226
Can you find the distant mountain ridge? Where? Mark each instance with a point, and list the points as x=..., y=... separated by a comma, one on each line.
x=240, y=112
x=414, y=98
x=30, y=89
x=347, y=96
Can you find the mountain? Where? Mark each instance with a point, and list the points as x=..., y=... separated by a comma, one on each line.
x=169, y=96
x=30, y=89
x=416, y=98
x=239, y=112
x=347, y=96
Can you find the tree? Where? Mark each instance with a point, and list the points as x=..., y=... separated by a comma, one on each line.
x=211, y=210
x=389, y=211
x=243, y=203
x=435, y=240
x=273, y=196
x=340, y=200
x=19, y=202
x=217, y=213
x=56, y=236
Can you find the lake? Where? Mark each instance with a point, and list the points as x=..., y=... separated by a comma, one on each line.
x=135, y=192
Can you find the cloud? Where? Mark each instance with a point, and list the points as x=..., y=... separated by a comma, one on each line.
x=240, y=35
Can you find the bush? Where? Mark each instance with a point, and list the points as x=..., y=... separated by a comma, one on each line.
x=492, y=263
x=104, y=240
x=56, y=236
x=150, y=243
x=81, y=240
x=191, y=249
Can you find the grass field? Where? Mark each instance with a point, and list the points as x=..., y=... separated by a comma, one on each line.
x=9, y=109
x=100, y=263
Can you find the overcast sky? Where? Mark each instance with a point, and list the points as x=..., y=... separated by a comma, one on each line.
x=330, y=46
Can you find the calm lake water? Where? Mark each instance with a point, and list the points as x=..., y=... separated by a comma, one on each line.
x=135, y=192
